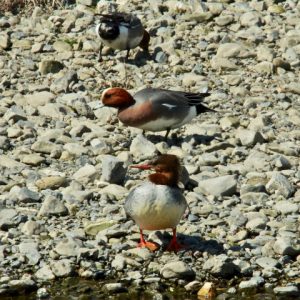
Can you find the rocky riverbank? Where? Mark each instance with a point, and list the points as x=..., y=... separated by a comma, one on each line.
x=64, y=159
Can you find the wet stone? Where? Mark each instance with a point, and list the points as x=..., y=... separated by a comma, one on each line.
x=221, y=266
x=177, y=269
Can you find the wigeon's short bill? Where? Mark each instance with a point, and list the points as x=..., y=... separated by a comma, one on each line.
x=158, y=203
x=121, y=31
x=155, y=109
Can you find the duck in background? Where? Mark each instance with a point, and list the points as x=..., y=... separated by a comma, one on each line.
x=155, y=109
x=158, y=203
x=121, y=31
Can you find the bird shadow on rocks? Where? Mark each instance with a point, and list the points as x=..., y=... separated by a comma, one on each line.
x=192, y=243
x=175, y=139
x=140, y=59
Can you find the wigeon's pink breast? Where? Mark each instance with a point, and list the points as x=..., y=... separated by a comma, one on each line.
x=138, y=114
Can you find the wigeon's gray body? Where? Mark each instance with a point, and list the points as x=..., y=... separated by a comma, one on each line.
x=155, y=109
x=155, y=207
x=121, y=31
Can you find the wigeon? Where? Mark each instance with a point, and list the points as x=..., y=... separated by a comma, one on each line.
x=155, y=109
x=121, y=31
x=158, y=204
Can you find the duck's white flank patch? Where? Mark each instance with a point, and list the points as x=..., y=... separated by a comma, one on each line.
x=168, y=105
x=121, y=41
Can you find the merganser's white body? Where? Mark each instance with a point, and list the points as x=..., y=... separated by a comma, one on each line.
x=155, y=207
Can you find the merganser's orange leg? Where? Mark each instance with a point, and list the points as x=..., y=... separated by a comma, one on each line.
x=143, y=244
x=174, y=245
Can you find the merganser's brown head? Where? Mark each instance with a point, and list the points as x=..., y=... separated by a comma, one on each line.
x=167, y=168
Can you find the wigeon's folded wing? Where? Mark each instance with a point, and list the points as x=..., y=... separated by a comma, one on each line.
x=170, y=98
x=123, y=19
x=195, y=98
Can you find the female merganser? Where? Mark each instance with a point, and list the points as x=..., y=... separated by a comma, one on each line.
x=159, y=203
x=155, y=109
x=122, y=31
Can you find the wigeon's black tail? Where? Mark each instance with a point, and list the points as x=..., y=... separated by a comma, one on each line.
x=195, y=99
x=144, y=44
x=202, y=109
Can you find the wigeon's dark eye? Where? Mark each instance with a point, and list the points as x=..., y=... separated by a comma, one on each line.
x=108, y=95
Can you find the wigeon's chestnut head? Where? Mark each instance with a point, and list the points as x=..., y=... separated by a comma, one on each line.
x=158, y=203
x=116, y=97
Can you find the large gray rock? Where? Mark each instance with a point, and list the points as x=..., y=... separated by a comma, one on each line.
x=5, y=41
x=30, y=250
x=62, y=268
x=267, y=262
x=286, y=246
x=32, y=228
x=21, y=286
x=287, y=207
x=53, y=206
x=232, y=50
x=68, y=247
x=8, y=218
x=249, y=137
x=140, y=147
x=250, y=18
x=280, y=185
x=15, y=114
x=219, y=186
x=24, y=195
x=46, y=147
x=221, y=266
x=256, y=224
x=38, y=99
x=287, y=291
x=50, y=66
x=50, y=182
x=177, y=269
x=86, y=174
x=113, y=170
x=258, y=161
x=252, y=283
x=44, y=273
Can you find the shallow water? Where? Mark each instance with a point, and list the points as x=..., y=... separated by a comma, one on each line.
x=79, y=289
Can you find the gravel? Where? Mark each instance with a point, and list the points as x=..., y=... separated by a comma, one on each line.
x=64, y=159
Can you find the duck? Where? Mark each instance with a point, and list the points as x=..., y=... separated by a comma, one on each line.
x=155, y=109
x=121, y=31
x=158, y=203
